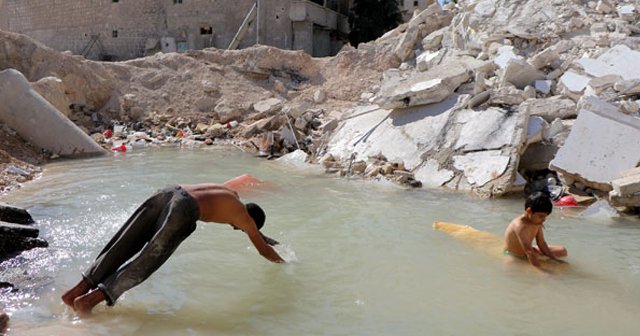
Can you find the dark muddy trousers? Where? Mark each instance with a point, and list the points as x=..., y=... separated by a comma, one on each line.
x=153, y=232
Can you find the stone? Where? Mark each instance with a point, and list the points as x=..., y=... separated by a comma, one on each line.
x=52, y=89
x=18, y=230
x=505, y=55
x=319, y=96
x=14, y=214
x=573, y=84
x=550, y=108
x=605, y=7
x=268, y=106
x=536, y=127
x=25, y=111
x=520, y=74
x=597, y=160
x=626, y=186
x=428, y=60
x=433, y=41
x=544, y=58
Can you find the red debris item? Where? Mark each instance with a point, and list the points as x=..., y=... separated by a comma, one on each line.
x=107, y=134
x=180, y=134
x=567, y=201
x=121, y=148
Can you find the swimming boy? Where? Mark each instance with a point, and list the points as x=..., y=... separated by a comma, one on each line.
x=523, y=229
x=155, y=230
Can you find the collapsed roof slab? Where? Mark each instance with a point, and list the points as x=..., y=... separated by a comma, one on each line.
x=602, y=144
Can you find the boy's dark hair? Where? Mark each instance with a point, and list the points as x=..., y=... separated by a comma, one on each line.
x=256, y=212
x=539, y=202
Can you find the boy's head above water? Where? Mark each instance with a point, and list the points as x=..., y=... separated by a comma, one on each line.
x=537, y=207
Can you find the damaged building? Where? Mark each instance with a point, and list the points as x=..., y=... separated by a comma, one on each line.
x=126, y=29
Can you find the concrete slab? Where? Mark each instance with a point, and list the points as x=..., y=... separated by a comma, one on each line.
x=431, y=175
x=574, y=82
x=626, y=186
x=481, y=167
x=601, y=145
x=493, y=128
x=619, y=60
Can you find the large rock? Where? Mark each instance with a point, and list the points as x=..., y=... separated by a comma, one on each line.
x=52, y=89
x=602, y=144
x=13, y=214
x=39, y=122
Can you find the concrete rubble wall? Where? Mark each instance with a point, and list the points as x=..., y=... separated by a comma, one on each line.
x=39, y=122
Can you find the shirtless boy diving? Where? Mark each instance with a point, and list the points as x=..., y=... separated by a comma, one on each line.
x=154, y=231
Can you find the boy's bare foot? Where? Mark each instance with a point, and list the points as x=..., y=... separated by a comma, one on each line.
x=80, y=289
x=85, y=303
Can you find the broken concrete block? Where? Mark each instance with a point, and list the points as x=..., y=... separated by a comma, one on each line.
x=543, y=86
x=630, y=172
x=428, y=60
x=504, y=55
x=597, y=160
x=619, y=60
x=629, y=87
x=627, y=13
x=433, y=41
x=544, y=58
x=629, y=201
x=600, y=84
x=605, y=7
x=481, y=167
x=573, y=84
x=536, y=127
x=520, y=74
x=626, y=186
x=18, y=230
x=507, y=95
x=422, y=88
x=268, y=106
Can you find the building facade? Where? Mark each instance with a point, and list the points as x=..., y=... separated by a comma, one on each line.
x=125, y=29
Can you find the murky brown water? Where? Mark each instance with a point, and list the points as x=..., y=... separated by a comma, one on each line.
x=365, y=260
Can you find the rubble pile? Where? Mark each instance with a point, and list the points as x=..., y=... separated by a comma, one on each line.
x=508, y=94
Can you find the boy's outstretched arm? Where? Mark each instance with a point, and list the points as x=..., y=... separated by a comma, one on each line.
x=528, y=250
x=544, y=247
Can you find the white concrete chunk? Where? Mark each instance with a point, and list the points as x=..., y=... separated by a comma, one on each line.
x=626, y=186
x=481, y=167
x=521, y=74
x=535, y=129
x=574, y=82
x=504, y=55
x=601, y=145
x=543, y=86
x=619, y=60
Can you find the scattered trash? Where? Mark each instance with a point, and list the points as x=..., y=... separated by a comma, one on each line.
x=567, y=201
x=122, y=148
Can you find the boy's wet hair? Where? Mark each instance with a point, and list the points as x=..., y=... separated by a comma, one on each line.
x=539, y=202
x=256, y=212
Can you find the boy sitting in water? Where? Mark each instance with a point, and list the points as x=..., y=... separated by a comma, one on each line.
x=523, y=229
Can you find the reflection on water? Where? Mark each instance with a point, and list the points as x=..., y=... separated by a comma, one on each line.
x=366, y=260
